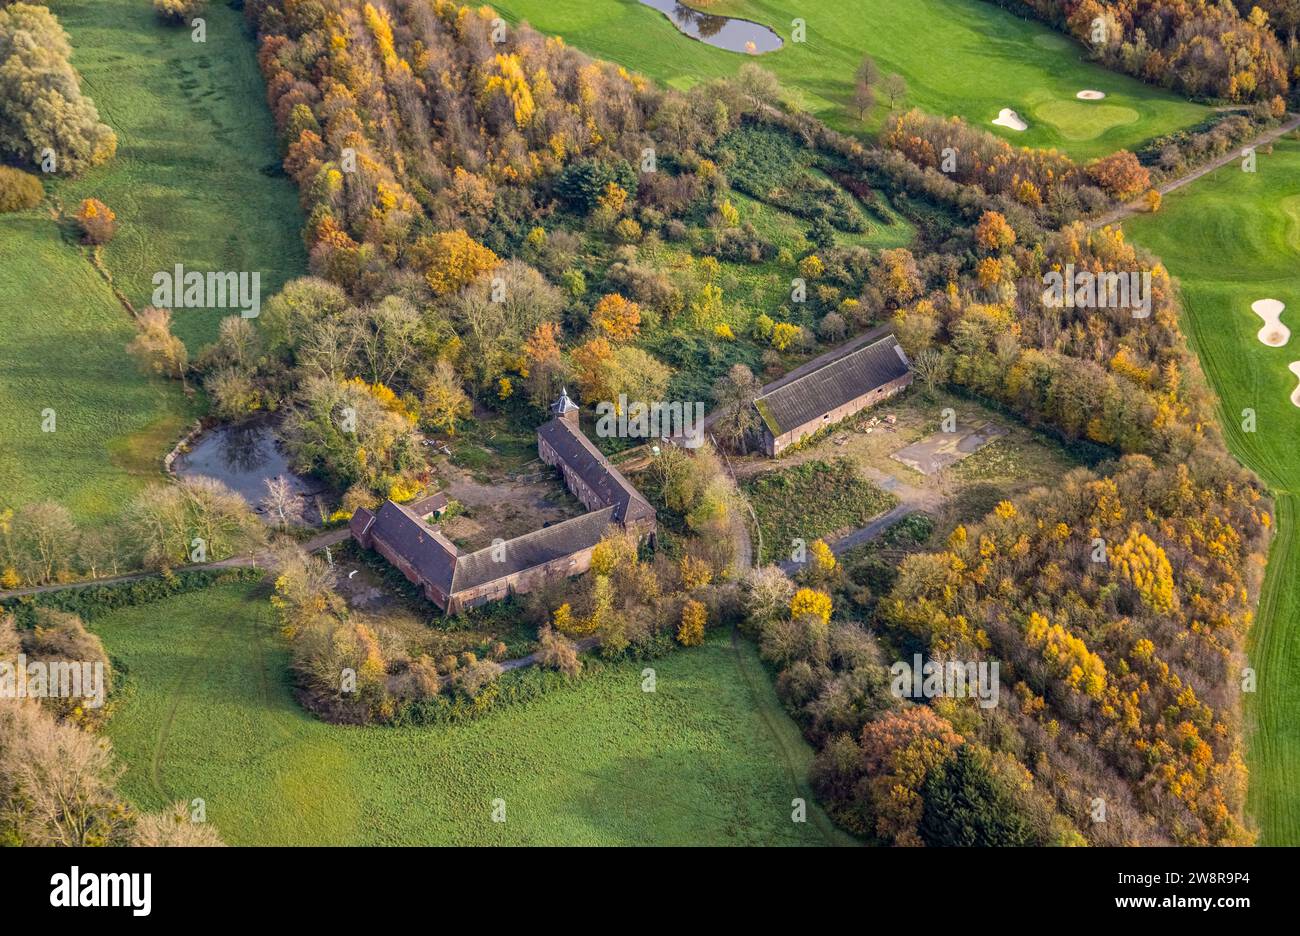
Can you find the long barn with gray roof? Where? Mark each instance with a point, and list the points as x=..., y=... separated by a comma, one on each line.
x=795, y=409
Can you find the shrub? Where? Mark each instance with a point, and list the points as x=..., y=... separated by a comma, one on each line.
x=475, y=676
x=557, y=652
x=178, y=11
x=19, y=191
x=97, y=221
x=690, y=632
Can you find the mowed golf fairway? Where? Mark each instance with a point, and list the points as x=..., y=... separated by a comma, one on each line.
x=207, y=712
x=961, y=57
x=1232, y=238
x=190, y=182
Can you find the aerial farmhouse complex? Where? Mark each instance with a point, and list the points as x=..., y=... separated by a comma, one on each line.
x=843, y=385
x=453, y=580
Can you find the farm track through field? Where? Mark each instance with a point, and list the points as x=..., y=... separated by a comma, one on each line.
x=175, y=695
x=819, y=818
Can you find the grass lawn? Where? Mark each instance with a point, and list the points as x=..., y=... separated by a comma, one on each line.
x=187, y=187
x=194, y=138
x=63, y=350
x=1232, y=238
x=206, y=711
x=960, y=57
x=810, y=500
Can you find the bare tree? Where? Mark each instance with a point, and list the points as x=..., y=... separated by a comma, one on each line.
x=168, y=523
x=43, y=540
x=867, y=72
x=56, y=782
x=281, y=502
x=389, y=339
x=864, y=98
x=735, y=394
x=930, y=365
x=895, y=88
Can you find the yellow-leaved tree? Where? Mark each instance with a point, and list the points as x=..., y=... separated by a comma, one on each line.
x=1143, y=564
x=453, y=260
x=808, y=602
x=690, y=632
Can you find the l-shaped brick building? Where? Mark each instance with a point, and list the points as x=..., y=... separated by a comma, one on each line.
x=454, y=580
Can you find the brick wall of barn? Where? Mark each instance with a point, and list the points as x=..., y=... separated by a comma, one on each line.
x=431, y=592
x=581, y=490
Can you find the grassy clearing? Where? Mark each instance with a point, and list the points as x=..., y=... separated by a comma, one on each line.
x=709, y=758
x=190, y=183
x=1232, y=238
x=63, y=350
x=188, y=187
x=812, y=499
x=959, y=57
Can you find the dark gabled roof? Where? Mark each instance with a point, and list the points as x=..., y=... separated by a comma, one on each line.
x=430, y=505
x=427, y=550
x=360, y=521
x=530, y=550
x=586, y=461
x=816, y=393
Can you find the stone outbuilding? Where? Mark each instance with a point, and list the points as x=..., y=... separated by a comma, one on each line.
x=792, y=411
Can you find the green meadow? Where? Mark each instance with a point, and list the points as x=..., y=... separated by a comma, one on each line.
x=63, y=351
x=206, y=711
x=193, y=180
x=959, y=57
x=1232, y=238
x=188, y=187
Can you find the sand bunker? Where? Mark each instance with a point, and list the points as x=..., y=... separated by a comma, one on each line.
x=1009, y=118
x=1090, y=95
x=1274, y=333
x=1295, y=394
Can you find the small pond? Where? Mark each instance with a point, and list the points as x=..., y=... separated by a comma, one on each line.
x=725, y=32
x=244, y=457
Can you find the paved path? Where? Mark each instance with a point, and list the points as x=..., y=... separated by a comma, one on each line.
x=583, y=645
x=1134, y=207
x=253, y=560
x=858, y=537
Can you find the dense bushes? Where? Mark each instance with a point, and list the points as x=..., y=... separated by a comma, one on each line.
x=44, y=120
x=769, y=165
x=1044, y=183
x=812, y=499
x=93, y=600
x=1174, y=154
x=178, y=11
x=1118, y=607
x=57, y=776
x=19, y=190
x=164, y=526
